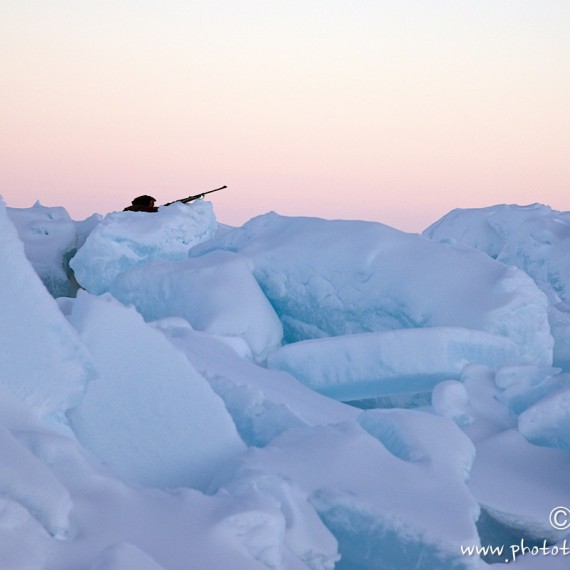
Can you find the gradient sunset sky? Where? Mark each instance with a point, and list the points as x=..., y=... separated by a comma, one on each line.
x=389, y=110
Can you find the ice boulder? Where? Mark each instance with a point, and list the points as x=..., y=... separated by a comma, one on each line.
x=488, y=415
x=49, y=239
x=532, y=237
x=329, y=278
x=150, y=415
x=43, y=360
x=540, y=247
x=216, y=293
x=450, y=399
x=404, y=361
x=487, y=229
x=126, y=240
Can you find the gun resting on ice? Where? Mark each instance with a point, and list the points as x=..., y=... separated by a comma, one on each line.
x=195, y=197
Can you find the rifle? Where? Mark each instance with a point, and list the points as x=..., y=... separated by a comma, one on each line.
x=196, y=197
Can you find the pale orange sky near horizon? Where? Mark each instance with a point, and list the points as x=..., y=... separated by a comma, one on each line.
x=395, y=111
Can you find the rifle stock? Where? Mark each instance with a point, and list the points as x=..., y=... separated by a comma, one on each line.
x=196, y=196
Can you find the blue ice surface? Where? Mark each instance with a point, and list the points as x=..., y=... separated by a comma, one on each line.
x=407, y=361
x=364, y=544
x=530, y=388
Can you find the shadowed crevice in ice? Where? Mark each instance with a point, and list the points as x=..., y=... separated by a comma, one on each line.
x=367, y=544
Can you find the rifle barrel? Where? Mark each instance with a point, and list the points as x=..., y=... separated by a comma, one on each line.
x=195, y=197
x=214, y=190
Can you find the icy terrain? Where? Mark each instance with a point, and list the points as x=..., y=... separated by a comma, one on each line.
x=292, y=394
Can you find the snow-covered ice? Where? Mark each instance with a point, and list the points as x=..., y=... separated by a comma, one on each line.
x=263, y=403
x=519, y=484
x=330, y=278
x=49, y=236
x=43, y=360
x=363, y=503
x=548, y=421
x=165, y=426
x=359, y=366
x=126, y=240
x=534, y=238
x=216, y=293
x=451, y=400
x=186, y=410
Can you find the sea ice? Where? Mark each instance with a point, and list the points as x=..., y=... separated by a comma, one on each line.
x=534, y=238
x=519, y=484
x=124, y=556
x=30, y=482
x=487, y=229
x=385, y=510
x=49, y=237
x=125, y=240
x=216, y=293
x=108, y=421
x=263, y=403
x=358, y=366
x=149, y=415
x=547, y=422
x=330, y=278
x=43, y=360
x=524, y=385
x=450, y=399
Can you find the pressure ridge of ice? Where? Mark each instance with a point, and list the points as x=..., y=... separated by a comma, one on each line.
x=295, y=393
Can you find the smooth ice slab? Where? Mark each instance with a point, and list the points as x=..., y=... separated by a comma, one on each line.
x=378, y=364
x=216, y=293
x=43, y=361
x=150, y=415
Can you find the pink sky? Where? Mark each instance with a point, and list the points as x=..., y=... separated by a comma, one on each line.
x=393, y=111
